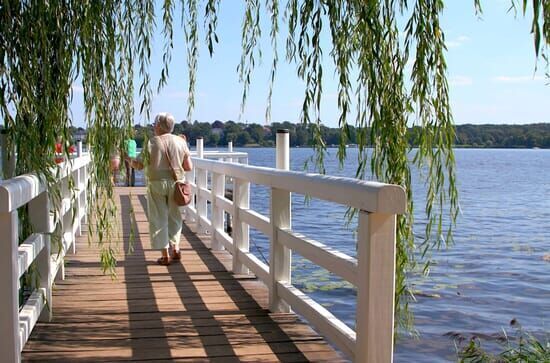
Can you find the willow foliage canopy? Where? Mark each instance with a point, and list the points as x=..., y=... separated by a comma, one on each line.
x=45, y=46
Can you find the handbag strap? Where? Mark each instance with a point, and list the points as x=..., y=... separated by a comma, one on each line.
x=165, y=146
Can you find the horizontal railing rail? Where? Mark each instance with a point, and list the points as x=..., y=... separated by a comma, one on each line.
x=15, y=259
x=372, y=271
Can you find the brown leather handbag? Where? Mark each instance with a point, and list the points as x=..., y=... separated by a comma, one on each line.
x=182, y=190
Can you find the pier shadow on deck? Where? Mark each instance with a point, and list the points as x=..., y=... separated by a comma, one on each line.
x=196, y=310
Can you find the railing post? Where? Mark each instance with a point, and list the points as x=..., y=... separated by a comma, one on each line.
x=241, y=200
x=78, y=148
x=9, y=298
x=8, y=157
x=190, y=175
x=201, y=183
x=376, y=287
x=279, y=255
x=218, y=187
x=78, y=179
x=39, y=217
x=84, y=195
x=230, y=149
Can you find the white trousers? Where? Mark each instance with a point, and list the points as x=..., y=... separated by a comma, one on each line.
x=164, y=215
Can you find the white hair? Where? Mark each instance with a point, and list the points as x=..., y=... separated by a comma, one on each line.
x=165, y=122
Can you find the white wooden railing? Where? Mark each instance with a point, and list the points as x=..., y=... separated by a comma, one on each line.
x=16, y=324
x=372, y=272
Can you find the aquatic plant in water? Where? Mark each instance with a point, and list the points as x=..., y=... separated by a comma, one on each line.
x=520, y=348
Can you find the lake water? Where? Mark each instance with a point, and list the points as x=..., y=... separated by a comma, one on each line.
x=495, y=271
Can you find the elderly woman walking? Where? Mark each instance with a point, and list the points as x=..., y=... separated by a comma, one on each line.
x=166, y=152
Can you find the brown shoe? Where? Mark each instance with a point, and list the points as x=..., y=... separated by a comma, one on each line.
x=164, y=261
x=176, y=255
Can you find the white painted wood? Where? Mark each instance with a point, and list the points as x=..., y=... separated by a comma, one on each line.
x=18, y=191
x=333, y=328
x=218, y=187
x=204, y=194
x=29, y=315
x=77, y=207
x=201, y=184
x=282, y=150
x=28, y=251
x=225, y=240
x=65, y=206
x=257, y=267
x=190, y=209
x=40, y=219
x=57, y=270
x=43, y=262
x=78, y=148
x=336, y=262
x=225, y=204
x=205, y=223
x=221, y=155
x=9, y=276
x=280, y=260
x=360, y=194
x=191, y=213
x=256, y=220
x=230, y=150
x=241, y=230
x=279, y=256
x=85, y=181
x=375, y=290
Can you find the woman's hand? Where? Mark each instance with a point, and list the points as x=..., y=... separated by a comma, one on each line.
x=187, y=163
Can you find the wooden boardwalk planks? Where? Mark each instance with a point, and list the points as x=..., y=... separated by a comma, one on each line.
x=191, y=311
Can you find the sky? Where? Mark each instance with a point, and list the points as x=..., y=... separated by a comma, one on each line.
x=492, y=73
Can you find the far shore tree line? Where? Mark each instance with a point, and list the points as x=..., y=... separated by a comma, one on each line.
x=219, y=133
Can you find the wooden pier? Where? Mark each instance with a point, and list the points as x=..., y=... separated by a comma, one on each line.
x=193, y=310
x=220, y=303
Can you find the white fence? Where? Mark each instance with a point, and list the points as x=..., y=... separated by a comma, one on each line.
x=16, y=324
x=372, y=272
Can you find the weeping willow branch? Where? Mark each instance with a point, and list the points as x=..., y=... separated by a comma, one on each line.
x=251, y=32
x=192, y=38
x=47, y=48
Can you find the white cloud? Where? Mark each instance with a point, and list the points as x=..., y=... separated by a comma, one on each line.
x=457, y=42
x=517, y=79
x=77, y=88
x=176, y=94
x=461, y=81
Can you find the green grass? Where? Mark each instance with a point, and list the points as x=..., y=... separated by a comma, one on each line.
x=522, y=347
